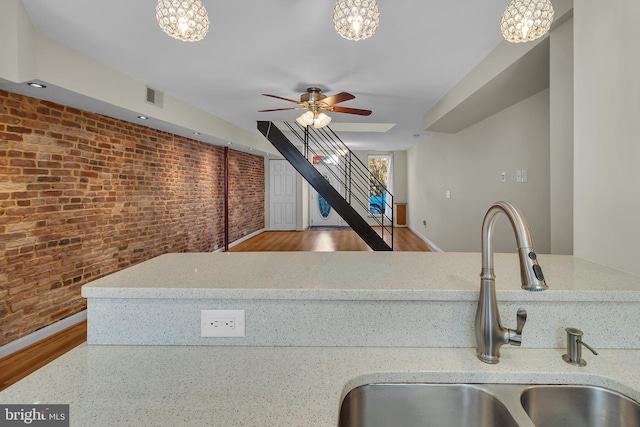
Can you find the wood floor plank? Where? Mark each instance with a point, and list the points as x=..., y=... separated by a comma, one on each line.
x=18, y=365
x=327, y=241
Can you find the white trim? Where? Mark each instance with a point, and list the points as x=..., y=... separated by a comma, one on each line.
x=242, y=239
x=41, y=334
x=427, y=241
x=247, y=237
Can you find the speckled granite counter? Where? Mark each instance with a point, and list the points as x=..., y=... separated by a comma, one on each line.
x=277, y=386
x=437, y=276
x=318, y=325
x=356, y=299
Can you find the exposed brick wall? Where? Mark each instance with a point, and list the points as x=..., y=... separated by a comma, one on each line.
x=246, y=194
x=84, y=195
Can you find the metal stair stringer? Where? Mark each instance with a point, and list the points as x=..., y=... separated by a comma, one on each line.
x=322, y=186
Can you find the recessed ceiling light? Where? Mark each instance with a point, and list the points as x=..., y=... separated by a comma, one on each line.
x=229, y=142
x=196, y=133
x=143, y=117
x=250, y=149
x=37, y=85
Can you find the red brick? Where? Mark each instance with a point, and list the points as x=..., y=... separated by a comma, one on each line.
x=19, y=129
x=103, y=198
x=35, y=171
x=24, y=195
x=49, y=165
x=10, y=136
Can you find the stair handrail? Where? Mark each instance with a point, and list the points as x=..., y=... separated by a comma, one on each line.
x=320, y=183
x=329, y=143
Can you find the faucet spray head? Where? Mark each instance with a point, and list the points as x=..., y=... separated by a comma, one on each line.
x=530, y=271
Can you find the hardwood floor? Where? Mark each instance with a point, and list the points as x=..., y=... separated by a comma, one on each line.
x=326, y=241
x=18, y=365
x=23, y=362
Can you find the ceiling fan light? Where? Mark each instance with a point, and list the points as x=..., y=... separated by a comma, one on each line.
x=356, y=19
x=526, y=20
x=321, y=120
x=305, y=119
x=185, y=20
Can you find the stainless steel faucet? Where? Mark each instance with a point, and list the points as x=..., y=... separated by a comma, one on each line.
x=490, y=334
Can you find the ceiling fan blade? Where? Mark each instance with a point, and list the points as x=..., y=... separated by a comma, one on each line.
x=357, y=111
x=280, y=109
x=279, y=97
x=338, y=97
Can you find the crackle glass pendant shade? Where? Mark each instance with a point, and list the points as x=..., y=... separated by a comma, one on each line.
x=184, y=20
x=356, y=19
x=526, y=20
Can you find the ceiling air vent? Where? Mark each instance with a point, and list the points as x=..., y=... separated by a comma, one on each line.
x=154, y=97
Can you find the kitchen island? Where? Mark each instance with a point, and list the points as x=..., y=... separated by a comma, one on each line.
x=319, y=325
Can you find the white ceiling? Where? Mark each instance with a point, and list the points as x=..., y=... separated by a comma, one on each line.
x=421, y=49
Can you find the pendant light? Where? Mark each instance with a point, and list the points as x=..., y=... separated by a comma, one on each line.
x=185, y=20
x=356, y=19
x=526, y=20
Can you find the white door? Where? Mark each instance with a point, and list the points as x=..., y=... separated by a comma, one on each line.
x=322, y=214
x=282, y=194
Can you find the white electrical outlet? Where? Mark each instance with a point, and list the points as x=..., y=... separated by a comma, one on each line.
x=222, y=323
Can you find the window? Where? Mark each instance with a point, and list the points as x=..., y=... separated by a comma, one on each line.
x=380, y=173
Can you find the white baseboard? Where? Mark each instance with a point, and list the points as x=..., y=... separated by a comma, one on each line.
x=41, y=334
x=242, y=239
x=427, y=241
x=247, y=237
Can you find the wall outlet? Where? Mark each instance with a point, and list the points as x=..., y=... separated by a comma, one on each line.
x=424, y=222
x=222, y=323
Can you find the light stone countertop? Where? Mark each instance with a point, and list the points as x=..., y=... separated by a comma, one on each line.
x=205, y=385
x=419, y=276
x=278, y=386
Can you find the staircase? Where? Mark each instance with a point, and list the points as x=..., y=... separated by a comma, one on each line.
x=354, y=178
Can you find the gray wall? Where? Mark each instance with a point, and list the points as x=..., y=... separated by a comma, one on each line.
x=561, y=138
x=603, y=180
x=469, y=164
x=607, y=129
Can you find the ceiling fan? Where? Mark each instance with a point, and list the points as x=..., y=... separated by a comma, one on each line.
x=316, y=102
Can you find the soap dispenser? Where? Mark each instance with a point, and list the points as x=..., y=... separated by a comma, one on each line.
x=574, y=348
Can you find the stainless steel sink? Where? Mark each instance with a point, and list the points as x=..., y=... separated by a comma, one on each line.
x=579, y=406
x=482, y=405
x=408, y=405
